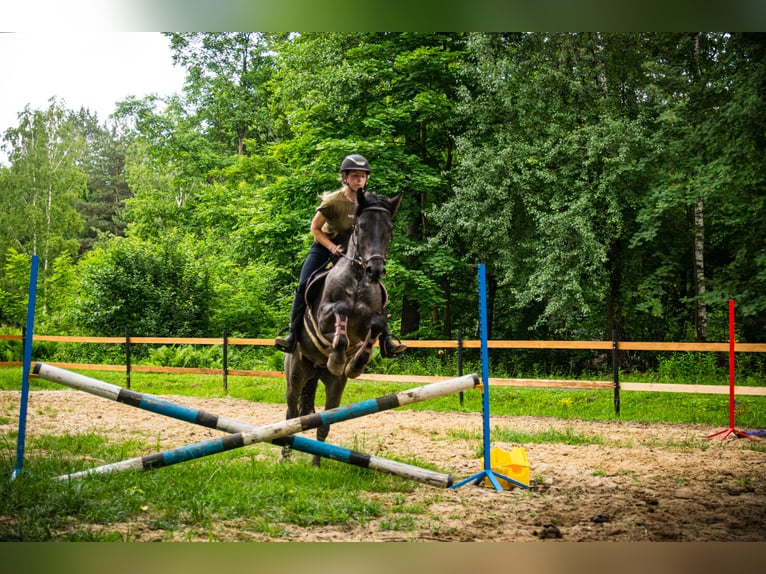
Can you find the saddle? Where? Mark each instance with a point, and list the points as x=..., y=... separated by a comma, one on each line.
x=315, y=285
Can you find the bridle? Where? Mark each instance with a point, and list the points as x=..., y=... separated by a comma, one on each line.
x=359, y=260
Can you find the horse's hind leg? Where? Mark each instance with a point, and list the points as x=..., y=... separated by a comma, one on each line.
x=300, y=380
x=334, y=386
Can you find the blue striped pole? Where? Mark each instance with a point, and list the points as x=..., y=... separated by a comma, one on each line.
x=244, y=433
x=28, y=336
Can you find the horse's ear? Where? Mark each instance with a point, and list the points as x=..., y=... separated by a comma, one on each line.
x=360, y=198
x=395, y=203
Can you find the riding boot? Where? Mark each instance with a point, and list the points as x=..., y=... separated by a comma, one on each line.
x=287, y=344
x=389, y=349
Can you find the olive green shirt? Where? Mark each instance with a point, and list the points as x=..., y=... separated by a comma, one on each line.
x=340, y=214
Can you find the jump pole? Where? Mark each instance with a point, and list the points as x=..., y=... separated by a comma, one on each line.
x=276, y=431
x=487, y=472
x=732, y=376
x=173, y=410
x=28, y=337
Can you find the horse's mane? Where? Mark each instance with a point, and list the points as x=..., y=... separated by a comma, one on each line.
x=372, y=199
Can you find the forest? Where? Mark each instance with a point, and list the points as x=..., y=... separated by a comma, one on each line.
x=610, y=182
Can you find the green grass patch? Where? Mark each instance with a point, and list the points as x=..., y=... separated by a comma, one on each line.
x=250, y=488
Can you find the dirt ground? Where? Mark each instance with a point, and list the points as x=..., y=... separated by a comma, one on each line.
x=646, y=482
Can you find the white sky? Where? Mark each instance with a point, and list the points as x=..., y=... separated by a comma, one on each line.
x=82, y=69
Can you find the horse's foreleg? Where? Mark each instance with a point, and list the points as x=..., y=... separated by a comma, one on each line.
x=337, y=359
x=358, y=362
x=362, y=357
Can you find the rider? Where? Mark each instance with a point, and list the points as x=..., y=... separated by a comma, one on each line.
x=331, y=228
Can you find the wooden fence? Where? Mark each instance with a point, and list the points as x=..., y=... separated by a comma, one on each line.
x=611, y=346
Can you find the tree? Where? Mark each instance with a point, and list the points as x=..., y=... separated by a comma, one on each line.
x=225, y=86
x=40, y=191
x=103, y=162
x=705, y=100
x=548, y=169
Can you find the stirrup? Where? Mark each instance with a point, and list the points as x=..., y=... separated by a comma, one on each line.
x=286, y=344
x=389, y=350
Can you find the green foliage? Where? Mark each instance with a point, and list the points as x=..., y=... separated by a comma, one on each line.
x=39, y=196
x=570, y=163
x=14, y=288
x=245, y=304
x=10, y=350
x=185, y=356
x=145, y=289
x=547, y=175
x=692, y=368
x=60, y=288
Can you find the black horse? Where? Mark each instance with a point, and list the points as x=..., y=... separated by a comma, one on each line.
x=344, y=314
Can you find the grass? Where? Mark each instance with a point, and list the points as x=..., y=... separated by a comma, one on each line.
x=248, y=487
x=588, y=404
x=248, y=494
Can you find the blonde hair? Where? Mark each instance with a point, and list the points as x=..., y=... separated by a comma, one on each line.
x=326, y=194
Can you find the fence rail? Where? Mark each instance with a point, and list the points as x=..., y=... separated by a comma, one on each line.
x=432, y=344
x=613, y=346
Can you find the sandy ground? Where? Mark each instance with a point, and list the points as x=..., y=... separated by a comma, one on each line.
x=653, y=482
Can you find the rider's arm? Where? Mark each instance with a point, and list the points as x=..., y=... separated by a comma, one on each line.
x=320, y=236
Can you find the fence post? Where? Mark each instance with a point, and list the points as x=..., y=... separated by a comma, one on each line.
x=460, y=360
x=127, y=359
x=225, y=362
x=616, y=371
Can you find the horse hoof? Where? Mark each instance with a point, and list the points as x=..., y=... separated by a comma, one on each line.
x=356, y=367
x=353, y=373
x=335, y=368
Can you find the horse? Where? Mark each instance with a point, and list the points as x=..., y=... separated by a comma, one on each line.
x=344, y=314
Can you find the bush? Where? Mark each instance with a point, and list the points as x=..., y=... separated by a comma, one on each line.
x=145, y=288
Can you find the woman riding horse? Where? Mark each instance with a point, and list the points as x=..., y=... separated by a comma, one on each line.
x=331, y=228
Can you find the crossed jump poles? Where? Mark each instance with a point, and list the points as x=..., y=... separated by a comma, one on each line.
x=242, y=434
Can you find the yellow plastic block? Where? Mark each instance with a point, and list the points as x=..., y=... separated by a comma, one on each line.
x=514, y=465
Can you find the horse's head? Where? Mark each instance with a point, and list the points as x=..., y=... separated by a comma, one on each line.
x=373, y=232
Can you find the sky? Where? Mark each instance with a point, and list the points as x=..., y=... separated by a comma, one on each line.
x=82, y=69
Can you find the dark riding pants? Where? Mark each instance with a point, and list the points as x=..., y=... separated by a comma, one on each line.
x=317, y=258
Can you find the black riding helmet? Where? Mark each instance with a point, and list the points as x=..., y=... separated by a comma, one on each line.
x=355, y=162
